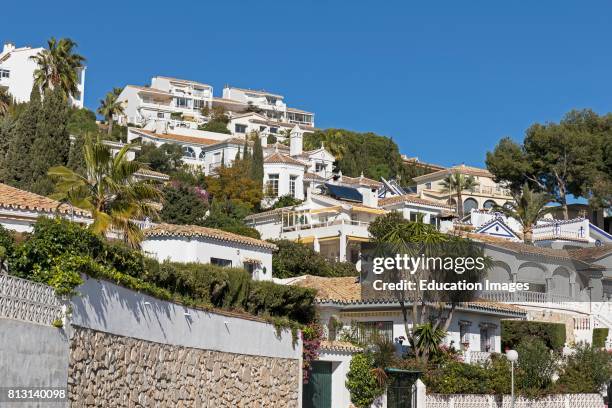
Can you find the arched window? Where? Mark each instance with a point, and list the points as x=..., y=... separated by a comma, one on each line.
x=202, y=155
x=489, y=204
x=189, y=152
x=469, y=204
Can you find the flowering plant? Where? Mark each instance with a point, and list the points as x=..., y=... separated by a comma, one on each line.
x=311, y=344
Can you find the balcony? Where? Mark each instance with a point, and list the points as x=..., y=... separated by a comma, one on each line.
x=309, y=226
x=546, y=300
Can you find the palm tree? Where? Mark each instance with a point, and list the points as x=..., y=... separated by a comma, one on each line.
x=458, y=182
x=427, y=339
x=5, y=101
x=109, y=190
x=58, y=66
x=527, y=208
x=110, y=106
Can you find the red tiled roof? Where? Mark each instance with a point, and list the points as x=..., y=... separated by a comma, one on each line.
x=16, y=199
x=284, y=159
x=461, y=169
x=195, y=230
x=177, y=138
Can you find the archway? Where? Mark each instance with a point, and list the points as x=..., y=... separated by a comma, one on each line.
x=469, y=204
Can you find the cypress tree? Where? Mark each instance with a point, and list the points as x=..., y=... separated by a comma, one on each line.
x=257, y=170
x=52, y=144
x=17, y=167
x=246, y=156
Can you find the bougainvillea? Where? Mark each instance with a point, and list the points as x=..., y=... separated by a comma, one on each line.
x=311, y=340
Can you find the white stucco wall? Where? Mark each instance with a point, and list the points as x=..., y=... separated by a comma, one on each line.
x=341, y=397
x=200, y=250
x=107, y=307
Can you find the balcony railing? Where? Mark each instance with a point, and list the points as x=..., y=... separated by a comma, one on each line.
x=306, y=226
x=557, y=232
x=541, y=299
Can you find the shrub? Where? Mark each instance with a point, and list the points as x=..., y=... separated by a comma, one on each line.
x=361, y=381
x=7, y=244
x=585, y=371
x=311, y=340
x=513, y=331
x=536, y=365
x=600, y=335
x=295, y=259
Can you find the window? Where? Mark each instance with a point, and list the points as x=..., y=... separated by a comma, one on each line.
x=220, y=262
x=489, y=204
x=319, y=167
x=469, y=204
x=189, y=152
x=464, y=334
x=202, y=155
x=5, y=73
x=272, y=185
x=262, y=128
x=292, y=180
x=217, y=157
x=487, y=331
x=366, y=331
x=433, y=221
x=198, y=104
x=273, y=130
x=416, y=216
x=428, y=186
x=181, y=102
x=250, y=268
x=239, y=128
x=160, y=115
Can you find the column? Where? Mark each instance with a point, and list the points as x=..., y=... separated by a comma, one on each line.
x=315, y=245
x=342, y=243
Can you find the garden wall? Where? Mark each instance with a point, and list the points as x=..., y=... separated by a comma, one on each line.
x=505, y=401
x=123, y=348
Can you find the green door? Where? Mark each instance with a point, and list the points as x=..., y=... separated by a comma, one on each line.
x=317, y=393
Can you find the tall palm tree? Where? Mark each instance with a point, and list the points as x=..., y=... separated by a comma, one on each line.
x=527, y=208
x=5, y=101
x=110, y=106
x=457, y=182
x=109, y=190
x=58, y=66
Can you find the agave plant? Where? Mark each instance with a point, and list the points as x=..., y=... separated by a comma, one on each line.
x=109, y=190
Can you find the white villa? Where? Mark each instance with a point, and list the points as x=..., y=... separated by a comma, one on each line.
x=475, y=327
x=191, y=243
x=17, y=73
x=487, y=194
x=170, y=104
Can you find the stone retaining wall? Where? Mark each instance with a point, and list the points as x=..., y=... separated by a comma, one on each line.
x=115, y=371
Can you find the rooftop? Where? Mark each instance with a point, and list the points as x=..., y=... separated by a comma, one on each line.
x=185, y=81
x=461, y=169
x=283, y=159
x=410, y=198
x=16, y=199
x=361, y=181
x=152, y=174
x=256, y=91
x=176, y=138
x=172, y=230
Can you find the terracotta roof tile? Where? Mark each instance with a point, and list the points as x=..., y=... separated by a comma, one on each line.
x=462, y=169
x=313, y=176
x=284, y=159
x=362, y=181
x=177, y=138
x=411, y=198
x=591, y=253
x=16, y=199
x=197, y=231
x=148, y=173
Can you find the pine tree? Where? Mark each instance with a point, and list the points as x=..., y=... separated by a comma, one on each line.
x=17, y=167
x=52, y=144
x=257, y=170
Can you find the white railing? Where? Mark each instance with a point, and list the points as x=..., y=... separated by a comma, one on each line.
x=305, y=226
x=541, y=299
x=21, y=299
x=477, y=357
x=505, y=401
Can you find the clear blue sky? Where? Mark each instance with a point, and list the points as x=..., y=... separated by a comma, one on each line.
x=446, y=79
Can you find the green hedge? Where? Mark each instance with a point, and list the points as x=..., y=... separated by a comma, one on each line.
x=599, y=336
x=513, y=331
x=58, y=251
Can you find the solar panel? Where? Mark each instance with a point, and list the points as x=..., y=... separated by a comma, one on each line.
x=344, y=193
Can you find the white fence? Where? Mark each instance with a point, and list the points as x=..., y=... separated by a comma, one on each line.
x=490, y=401
x=28, y=301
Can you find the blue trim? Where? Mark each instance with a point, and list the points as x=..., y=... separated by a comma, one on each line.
x=485, y=228
x=602, y=232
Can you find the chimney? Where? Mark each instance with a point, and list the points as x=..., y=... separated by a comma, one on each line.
x=370, y=196
x=296, y=141
x=8, y=47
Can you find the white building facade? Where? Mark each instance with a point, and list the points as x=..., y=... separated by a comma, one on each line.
x=17, y=73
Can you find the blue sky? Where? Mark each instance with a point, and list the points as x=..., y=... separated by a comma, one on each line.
x=445, y=79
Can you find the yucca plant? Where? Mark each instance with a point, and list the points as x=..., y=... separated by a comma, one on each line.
x=109, y=190
x=427, y=339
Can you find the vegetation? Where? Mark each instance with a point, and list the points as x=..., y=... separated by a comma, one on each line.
x=286, y=201
x=6, y=100
x=513, y=331
x=234, y=184
x=361, y=381
x=58, y=251
x=527, y=207
x=600, y=334
x=109, y=107
x=109, y=190
x=427, y=339
x=166, y=158
x=184, y=204
x=256, y=170
x=295, y=259
x=458, y=183
x=58, y=67
x=587, y=370
x=374, y=155
x=218, y=120
x=570, y=157
x=311, y=342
